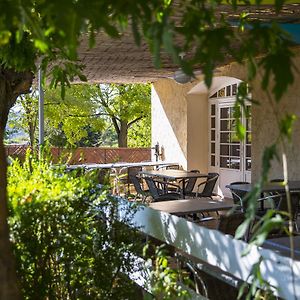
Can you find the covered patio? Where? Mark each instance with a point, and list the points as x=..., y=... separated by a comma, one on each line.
x=187, y=125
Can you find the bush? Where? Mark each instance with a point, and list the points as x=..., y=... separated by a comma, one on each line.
x=66, y=239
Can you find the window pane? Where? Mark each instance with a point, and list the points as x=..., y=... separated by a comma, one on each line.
x=234, y=163
x=225, y=112
x=225, y=137
x=234, y=89
x=224, y=150
x=234, y=138
x=213, y=135
x=232, y=125
x=248, y=138
x=212, y=148
x=228, y=90
x=248, y=151
x=235, y=150
x=224, y=162
x=248, y=164
x=225, y=125
x=213, y=110
x=214, y=95
x=212, y=160
x=248, y=124
x=221, y=92
x=213, y=123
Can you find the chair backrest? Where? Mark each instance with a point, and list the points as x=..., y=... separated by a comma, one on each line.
x=210, y=185
x=104, y=176
x=168, y=167
x=237, y=195
x=228, y=224
x=190, y=183
x=133, y=171
x=136, y=183
x=277, y=180
x=153, y=190
x=282, y=204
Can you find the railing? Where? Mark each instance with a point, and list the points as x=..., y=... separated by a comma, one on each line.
x=88, y=154
x=218, y=250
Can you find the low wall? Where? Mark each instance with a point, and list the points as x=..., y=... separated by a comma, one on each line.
x=88, y=154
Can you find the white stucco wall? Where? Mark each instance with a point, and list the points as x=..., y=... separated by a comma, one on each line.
x=169, y=119
x=264, y=127
x=180, y=123
x=266, y=130
x=197, y=132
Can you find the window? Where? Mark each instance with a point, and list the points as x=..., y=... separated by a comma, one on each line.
x=228, y=91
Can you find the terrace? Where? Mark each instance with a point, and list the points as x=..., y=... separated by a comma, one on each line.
x=195, y=127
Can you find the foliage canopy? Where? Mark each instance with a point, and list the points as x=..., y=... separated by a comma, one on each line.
x=43, y=32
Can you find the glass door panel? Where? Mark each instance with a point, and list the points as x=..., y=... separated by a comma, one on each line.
x=229, y=144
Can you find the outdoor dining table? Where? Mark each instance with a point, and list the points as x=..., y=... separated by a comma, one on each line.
x=282, y=246
x=120, y=165
x=171, y=175
x=272, y=187
x=117, y=169
x=187, y=206
x=294, y=185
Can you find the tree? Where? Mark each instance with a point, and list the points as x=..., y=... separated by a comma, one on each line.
x=124, y=104
x=139, y=134
x=75, y=117
x=89, y=109
x=42, y=32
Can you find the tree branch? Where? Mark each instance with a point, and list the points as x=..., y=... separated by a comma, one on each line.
x=135, y=120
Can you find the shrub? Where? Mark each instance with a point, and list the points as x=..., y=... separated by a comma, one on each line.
x=67, y=241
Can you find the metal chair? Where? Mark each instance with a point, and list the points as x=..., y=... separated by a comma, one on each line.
x=209, y=186
x=282, y=206
x=190, y=184
x=228, y=224
x=131, y=173
x=168, y=167
x=159, y=190
x=140, y=192
x=237, y=195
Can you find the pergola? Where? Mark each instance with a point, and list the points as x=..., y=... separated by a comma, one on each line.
x=120, y=60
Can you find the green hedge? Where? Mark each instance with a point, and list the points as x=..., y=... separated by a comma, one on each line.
x=66, y=239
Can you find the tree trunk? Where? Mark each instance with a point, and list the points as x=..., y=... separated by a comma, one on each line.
x=122, y=135
x=12, y=84
x=31, y=126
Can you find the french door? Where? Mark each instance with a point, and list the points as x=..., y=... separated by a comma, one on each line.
x=229, y=157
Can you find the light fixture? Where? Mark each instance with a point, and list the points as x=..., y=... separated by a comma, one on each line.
x=181, y=77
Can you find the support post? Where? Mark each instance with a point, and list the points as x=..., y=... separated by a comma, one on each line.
x=41, y=108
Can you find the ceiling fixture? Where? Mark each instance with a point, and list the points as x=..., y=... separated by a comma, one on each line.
x=179, y=75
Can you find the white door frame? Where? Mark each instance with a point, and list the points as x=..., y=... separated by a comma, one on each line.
x=240, y=174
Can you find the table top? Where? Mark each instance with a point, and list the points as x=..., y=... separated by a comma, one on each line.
x=282, y=246
x=121, y=165
x=190, y=205
x=172, y=174
x=270, y=187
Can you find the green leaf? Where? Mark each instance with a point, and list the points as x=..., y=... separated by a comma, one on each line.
x=4, y=37
x=41, y=45
x=286, y=125
x=242, y=229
